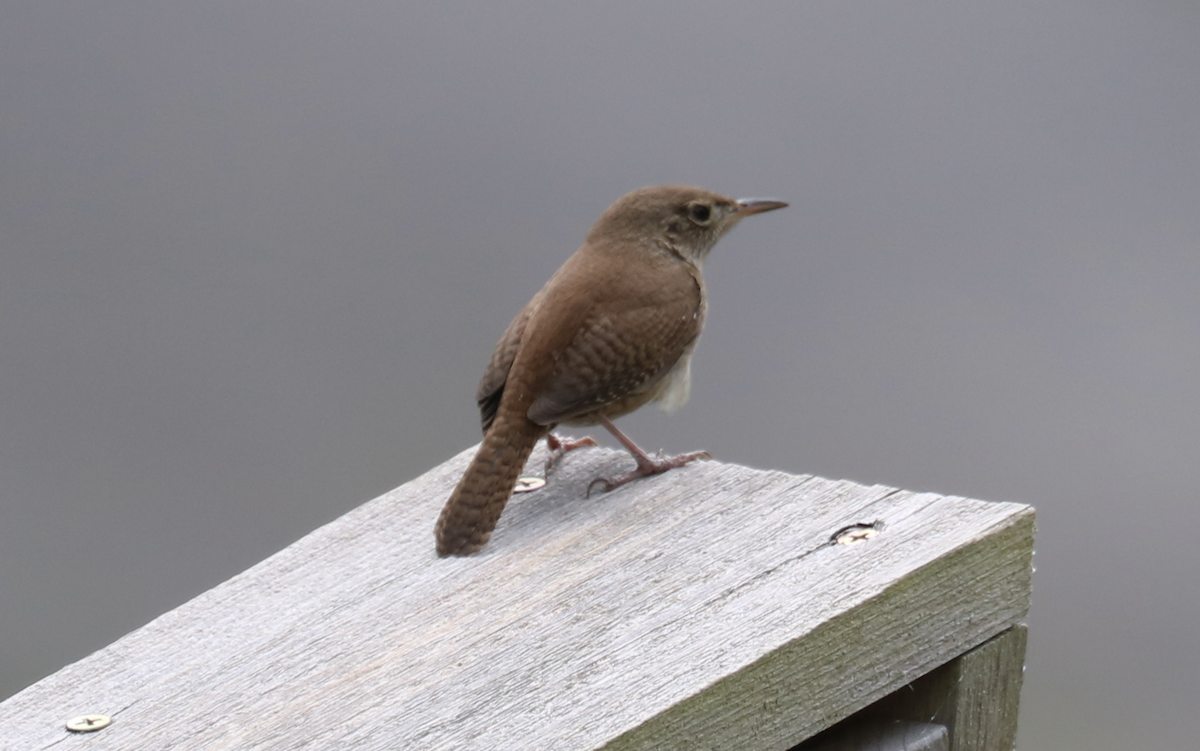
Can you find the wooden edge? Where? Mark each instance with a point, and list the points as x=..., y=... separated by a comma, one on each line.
x=782, y=687
x=976, y=696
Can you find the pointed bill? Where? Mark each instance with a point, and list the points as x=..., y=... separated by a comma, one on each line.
x=748, y=206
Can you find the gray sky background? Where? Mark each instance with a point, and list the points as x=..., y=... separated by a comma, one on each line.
x=255, y=258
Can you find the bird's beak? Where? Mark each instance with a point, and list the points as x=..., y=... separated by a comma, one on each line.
x=748, y=206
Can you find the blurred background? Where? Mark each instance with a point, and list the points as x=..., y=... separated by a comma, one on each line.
x=255, y=258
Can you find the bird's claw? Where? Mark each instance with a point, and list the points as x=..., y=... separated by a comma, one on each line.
x=608, y=485
x=558, y=447
x=655, y=466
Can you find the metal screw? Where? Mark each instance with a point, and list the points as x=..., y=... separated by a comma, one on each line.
x=526, y=484
x=856, y=533
x=88, y=723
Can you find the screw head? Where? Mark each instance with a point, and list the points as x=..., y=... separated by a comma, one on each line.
x=856, y=533
x=526, y=484
x=88, y=723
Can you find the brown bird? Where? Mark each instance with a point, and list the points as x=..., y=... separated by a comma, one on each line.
x=613, y=329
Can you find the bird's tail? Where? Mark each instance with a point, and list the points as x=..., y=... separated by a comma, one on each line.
x=468, y=518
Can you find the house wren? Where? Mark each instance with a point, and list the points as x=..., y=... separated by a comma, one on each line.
x=613, y=329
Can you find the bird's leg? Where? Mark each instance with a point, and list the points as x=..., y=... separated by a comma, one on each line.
x=560, y=446
x=646, y=465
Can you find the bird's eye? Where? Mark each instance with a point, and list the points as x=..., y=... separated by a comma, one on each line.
x=700, y=213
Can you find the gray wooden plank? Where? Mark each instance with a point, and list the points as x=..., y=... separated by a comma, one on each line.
x=988, y=695
x=704, y=608
x=976, y=696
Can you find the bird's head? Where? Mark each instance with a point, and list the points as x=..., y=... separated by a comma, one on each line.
x=686, y=220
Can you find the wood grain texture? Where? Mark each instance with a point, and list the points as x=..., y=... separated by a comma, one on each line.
x=702, y=609
x=988, y=694
x=976, y=696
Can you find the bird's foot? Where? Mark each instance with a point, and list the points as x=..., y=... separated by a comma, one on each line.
x=647, y=466
x=560, y=446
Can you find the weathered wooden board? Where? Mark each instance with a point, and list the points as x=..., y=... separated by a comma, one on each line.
x=976, y=696
x=704, y=608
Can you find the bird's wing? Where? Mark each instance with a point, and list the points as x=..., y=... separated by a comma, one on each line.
x=491, y=386
x=621, y=350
